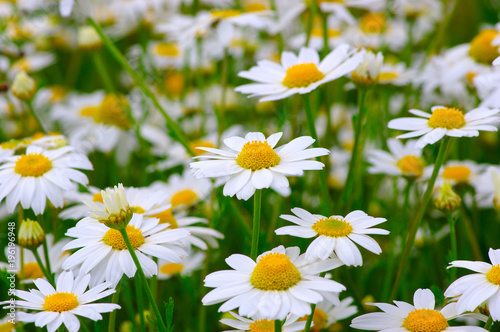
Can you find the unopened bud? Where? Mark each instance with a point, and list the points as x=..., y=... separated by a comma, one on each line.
x=447, y=199
x=23, y=87
x=31, y=234
x=88, y=38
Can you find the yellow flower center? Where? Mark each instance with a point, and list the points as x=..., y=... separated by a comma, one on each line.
x=255, y=7
x=171, y=268
x=262, y=325
x=319, y=32
x=225, y=13
x=456, y=173
x=333, y=227
x=373, y=23
x=200, y=144
x=137, y=209
x=114, y=239
x=257, y=155
x=22, y=64
x=319, y=319
x=32, y=271
x=411, y=166
x=387, y=76
x=449, y=118
x=275, y=272
x=184, y=197
x=98, y=197
x=302, y=75
x=493, y=275
x=111, y=112
x=481, y=49
x=33, y=164
x=9, y=145
x=167, y=49
x=425, y=320
x=167, y=217
x=174, y=83
x=7, y=327
x=60, y=302
x=470, y=77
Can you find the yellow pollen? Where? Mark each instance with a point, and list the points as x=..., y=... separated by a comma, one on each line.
x=493, y=275
x=275, y=272
x=318, y=32
x=137, y=209
x=387, y=76
x=319, y=319
x=7, y=327
x=255, y=7
x=89, y=111
x=114, y=239
x=373, y=23
x=9, y=145
x=98, y=198
x=333, y=227
x=58, y=94
x=449, y=118
x=167, y=217
x=184, y=197
x=32, y=271
x=470, y=77
x=167, y=49
x=425, y=320
x=481, y=49
x=171, y=268
x=60, y=302
x=225, y=13
x=257, y=155
x=22, y=64
x=262, y=325
x=111, y=112
x=302, y=75
x=33, y=164
x=174, y=83
x=411, y=166
x=456, y=173
x=200, y=144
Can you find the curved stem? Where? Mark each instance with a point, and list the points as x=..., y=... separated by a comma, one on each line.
x=151, y=299
x=453, y=239
x=489, y=324
x=257, y=202
x=420, y=214
x=310, y=318
x=42, y=267
x=140, y=304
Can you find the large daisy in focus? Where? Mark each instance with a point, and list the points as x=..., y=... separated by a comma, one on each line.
x=445, y=121
x=299, y=74
x=335, y=234
x=254, y=164
x=38, y=175
x=279, y=283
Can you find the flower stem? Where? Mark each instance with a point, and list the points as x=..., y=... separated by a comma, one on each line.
x=140, y=304
x=277, y=325
x=325, y=203
x=453, y=239
x=42, y=267
x=171, y=124
x=257, y=201
x=222, y=108
x=41, y=220
x=313, y=9
x=420, y=213
x=310, y=318
x=489, y=324
x=103, y=73
x=114, y=299
x=159, y=319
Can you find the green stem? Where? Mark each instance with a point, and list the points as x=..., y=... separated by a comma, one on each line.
x=257, y=201
x=200, y=81
x=279, y=36
x=453, y=239
x=38, y=121
x=313, y=9
x=140, y=304
x=41, y=220
x=103, y=72
x=326, y=47
x=171, y=124
x=445, y=143
x=42, y=267
x=114, y=299
x=325, y=203
x=277, y=325
x=144, y=282
x=489, y=324
x=310, y=318
x=222, y=110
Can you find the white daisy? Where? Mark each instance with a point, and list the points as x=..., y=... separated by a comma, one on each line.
x=255, y=164
x=259, y=324
x=445, y=121
x=185, y=268
x=104, y=254
x=279, y=283
x=456, y=172
x=478, y=288
x=488, y=188
x=402, y=160
x=299, y=74
x=335, y=234
x=39, y=174
x=403, y=317
x=62, y=304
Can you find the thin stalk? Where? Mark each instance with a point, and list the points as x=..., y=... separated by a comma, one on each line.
x=313, y=9
x=222, y=110
x=420, y=213
x=257, y=202
x=171, y=124
x=325, y=203
x=42, y=267
x=103, y=72
x=489, y=324
x=41, y=220
x=114, y=299
x=310, y=318
x=153, y=284
x=277, y=325
x=144, y=282
x=279, y=36
x=38, y=121
x=453, y=239
x=326, y=47
x=140, y=304
x=353, y=163
x=200, y=81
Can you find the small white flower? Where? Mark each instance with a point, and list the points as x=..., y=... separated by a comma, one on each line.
x=402, y=160
x=259, y=324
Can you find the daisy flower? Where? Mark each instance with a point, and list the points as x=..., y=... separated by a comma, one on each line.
x=329, y=312
x=488, y=188
x=279, y=283
x=259, y=324
x=62, y=304
x=335, y=234
x=8, y=324
x=299, y=74
x=255, y=164
x=478, y=288
x=457, y=172
x=185, y=268
x=445, y=121
x=104, y=254
x=403, y=317
x=402, y=160
x=38, y=175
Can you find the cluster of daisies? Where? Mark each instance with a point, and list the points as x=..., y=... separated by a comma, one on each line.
x=220, y=116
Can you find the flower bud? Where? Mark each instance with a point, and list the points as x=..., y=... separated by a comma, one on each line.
x=117, y=212
x=368, y=71
x=88, y=39
x=447, y=200
x=31, y=234
x=23, y=87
